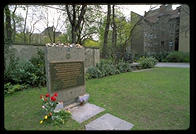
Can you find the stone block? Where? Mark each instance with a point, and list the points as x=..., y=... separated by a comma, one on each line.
x=85, y=112
x=109, y=122
x=65, y=72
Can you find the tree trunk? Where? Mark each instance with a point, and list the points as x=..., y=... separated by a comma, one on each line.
x=79, y=39
x=73, y=33
x=25, y=25
x=8, y=28
x=114, y=33
x=54, y=39
x=8, y=25
x=30, y=38
x=104, y=53
x=14, y=24
x=75, y=24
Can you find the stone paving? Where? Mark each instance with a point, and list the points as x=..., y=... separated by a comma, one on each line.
x=105, y=122
x=109, y=122
x=167, y=64
x=85, y=112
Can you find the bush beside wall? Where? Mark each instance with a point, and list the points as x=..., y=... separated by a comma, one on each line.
x=147, y=62
x=106, y=68
x=178, y=56
x=31, y=73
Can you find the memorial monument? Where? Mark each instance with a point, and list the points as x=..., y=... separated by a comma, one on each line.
x=65, y=71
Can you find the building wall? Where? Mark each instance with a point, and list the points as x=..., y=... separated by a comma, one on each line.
x=160, y=32
x=173, y=33
x=137, y=39
x=151, y=39
x=25, y=52
x=184, y=35
x=137, y=44
x=160, y=36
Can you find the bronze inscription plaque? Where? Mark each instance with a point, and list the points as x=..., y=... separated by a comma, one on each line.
x=66, y=74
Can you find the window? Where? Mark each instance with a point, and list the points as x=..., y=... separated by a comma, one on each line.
x=171, y=43
x=162, y=44
x=151, y=35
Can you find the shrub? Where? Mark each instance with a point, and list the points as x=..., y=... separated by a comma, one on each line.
x=7, y=86
x=161, y=57
x=178, y=56
x=30, y=74
x=87, y=76
x=10, y=89
x=26, y=72
x=39, y=63
x=137, y=57
x=123, y=67
x=94, y=72
x=147, y=62
x=9, y=70
x=106, y=68
x=128, y=57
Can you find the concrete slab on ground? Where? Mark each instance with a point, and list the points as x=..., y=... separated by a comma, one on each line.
x=109, y=122
x=85, y=112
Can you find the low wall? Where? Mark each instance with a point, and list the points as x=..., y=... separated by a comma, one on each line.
x=25, y=52
x=92, y=57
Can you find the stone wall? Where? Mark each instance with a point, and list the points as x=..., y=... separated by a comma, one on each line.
x=92, y=57
x=25, y=52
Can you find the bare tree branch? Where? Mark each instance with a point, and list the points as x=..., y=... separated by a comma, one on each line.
x=80, y=18
x=14, y=23
x=24, y=30
x=69, y=14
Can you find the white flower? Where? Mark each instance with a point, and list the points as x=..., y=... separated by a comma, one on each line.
x=43, y=107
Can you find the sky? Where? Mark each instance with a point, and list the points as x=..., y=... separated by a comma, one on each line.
x=125, y=9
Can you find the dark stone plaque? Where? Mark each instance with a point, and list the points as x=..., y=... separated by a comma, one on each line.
x=66, y=74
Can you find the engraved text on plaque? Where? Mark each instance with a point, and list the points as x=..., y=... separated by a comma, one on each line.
x=66, y=74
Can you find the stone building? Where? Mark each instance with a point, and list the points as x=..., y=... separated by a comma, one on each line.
x=184, y=31
x=49, y=30
x=156, y=31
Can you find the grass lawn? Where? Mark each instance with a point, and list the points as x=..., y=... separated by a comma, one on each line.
x=151, y=100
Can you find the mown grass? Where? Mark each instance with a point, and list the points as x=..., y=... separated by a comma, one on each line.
x=156, y=99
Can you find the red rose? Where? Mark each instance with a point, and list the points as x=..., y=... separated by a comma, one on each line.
x=56, y=94
x=53, y=98
x=41, y=96
x=47, y=95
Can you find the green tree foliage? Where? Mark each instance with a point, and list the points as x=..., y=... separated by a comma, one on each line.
x=62, y=38
x=91, y=43
x=123, y=32
x=91, y=23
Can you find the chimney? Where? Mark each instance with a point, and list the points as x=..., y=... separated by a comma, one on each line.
x=169, y=7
